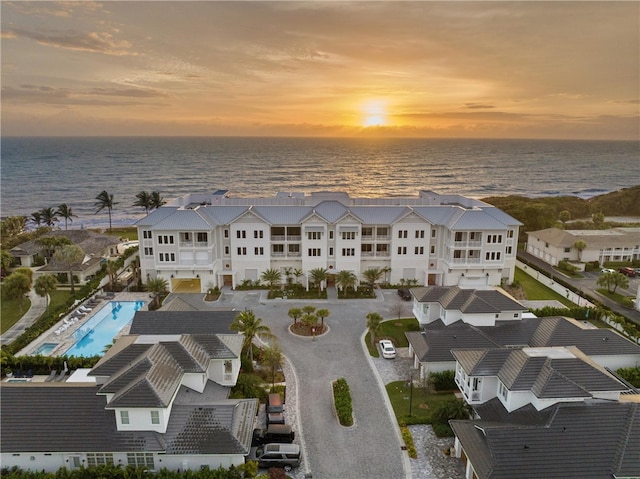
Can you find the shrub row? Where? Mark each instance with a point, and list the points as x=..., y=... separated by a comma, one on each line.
x=443, y=381
x=408, y=441
x=342, y=401
x=27, y=365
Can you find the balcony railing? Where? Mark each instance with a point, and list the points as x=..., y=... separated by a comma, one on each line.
x=186, y=243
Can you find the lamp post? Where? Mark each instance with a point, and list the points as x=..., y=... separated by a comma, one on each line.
x=410, y=391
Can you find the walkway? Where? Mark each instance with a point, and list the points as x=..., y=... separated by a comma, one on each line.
x=38, y=307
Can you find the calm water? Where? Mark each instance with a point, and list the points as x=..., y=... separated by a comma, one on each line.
x=44, y=172
x=100, y=330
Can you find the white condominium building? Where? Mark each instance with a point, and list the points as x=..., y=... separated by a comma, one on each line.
x=200, y=241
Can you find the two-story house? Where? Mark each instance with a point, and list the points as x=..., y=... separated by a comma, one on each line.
x=215, y=240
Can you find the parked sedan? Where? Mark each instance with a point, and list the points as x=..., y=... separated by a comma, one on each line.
x=405, y=294
x=388, y=351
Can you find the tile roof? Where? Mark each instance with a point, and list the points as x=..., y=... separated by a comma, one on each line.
x=48, y=417
x=598, y=440
x=182, y=322
x=468, y=301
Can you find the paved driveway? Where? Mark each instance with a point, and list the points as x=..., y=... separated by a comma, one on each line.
x=370, y=448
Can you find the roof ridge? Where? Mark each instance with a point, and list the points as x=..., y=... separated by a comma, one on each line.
x=634, y=410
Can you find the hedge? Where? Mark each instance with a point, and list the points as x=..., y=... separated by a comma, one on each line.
x=342, y=401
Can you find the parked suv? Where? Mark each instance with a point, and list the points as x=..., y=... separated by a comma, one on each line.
x=405, y=294
x=628, y=272
x=286, y=456
x=281, y=433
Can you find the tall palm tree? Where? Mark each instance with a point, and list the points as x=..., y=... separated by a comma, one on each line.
x=250, y=326
x=69, y=256
x=64, y=211
x=104, y=200
x=374, y=321
x=272, y=357
x=580, y=246
x=112, y=271
x=156, y=200
x=49, y=216
x=371, y=276
x=318, y=275
x=36, y=218
x=272, y=276
x=45, y=285
x=346, y=279
x=322, y=313
x=143, y=199
x=297, y=272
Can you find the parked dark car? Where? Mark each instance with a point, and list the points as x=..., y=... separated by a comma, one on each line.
x=281, y=433
x=405, y=294
x=628, y=272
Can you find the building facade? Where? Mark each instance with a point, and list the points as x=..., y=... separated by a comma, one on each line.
x=210, y=240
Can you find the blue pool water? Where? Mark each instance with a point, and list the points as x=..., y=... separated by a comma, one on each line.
x=45, y=349
x=99, y=331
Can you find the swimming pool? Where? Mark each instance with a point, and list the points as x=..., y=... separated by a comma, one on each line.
x=45, y=349
x=92, y=337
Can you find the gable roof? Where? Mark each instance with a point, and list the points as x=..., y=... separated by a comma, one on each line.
x=182, y=322
x=598, y=440
x=57, y=417
x=468, y=301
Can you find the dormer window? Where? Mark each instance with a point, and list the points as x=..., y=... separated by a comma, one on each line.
x=124, y=417
x=155, y=417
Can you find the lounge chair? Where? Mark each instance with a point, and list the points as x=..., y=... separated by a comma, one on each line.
x=60, y=377
x=51, y=376
x=84, y=308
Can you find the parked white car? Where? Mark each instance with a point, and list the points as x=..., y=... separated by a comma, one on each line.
x=608, y=270
x=388, y=351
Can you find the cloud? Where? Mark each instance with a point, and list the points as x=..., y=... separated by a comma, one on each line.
x=42, y=94
x=477, y=106
x=94, y=42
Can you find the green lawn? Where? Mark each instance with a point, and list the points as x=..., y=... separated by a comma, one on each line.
x=10, y=314
x=422, y=403
x=394, y=330
x=537, y=291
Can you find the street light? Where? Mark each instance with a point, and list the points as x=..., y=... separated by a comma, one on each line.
x=410, y=391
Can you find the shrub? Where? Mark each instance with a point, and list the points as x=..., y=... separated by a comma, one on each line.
x=631, y=375
x=342, y=401
x=444, y=381
x=408, y=441
x=442, y=430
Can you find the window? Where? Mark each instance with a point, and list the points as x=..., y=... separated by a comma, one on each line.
x=368, y=231
x=433, y=249
x=504, y=392
x=226, y=251
x=383, y=232
x=314, y=235
x=241, y=234
x=124, y=417
x=140, y=459
x=165, y=239
x=148, y=251
x=202, y=237
x=277, y=248
x=331, y=251
x=348, y=251
x=433, y=233
x=258, y=251
x=509, y=249
x=494, y=238
x=402, y=233
x=314, y=251
x=226, y=233
x=155, y=417
x=402, y=250
x=227, y=367
x=348, y=235
x=99, y=459
x=293, y=248
x=492, y=256
x=419, y=233
x=185, y=236
x=146, y=234
x=242, y=251
x=510, y=234
x=457, y=254
x=366, y=248
x=419, y=250
x=475, y=236
x=567, y=250
x=258, y=234
x=330, y=234
x=167, y=257
x=458, y=236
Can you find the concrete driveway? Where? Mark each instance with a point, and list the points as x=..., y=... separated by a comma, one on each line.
x=370, y=448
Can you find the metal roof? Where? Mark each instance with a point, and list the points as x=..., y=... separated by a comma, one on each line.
x=331, y=211
x=282, y=215
x=156, y=216
x=475, y=220
x=182, y=322
x=379, y=215
x=187, y=220
x=223, y=215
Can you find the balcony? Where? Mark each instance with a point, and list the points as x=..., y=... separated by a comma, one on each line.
x=202, y=244
x=186, y=244
x=286, y=237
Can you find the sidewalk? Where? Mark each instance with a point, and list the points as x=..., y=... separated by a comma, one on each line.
x=38, y=307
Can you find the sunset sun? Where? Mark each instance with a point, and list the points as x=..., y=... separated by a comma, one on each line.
x=374, y=113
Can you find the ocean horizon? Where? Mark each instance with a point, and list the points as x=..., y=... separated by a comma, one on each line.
x=40, y=172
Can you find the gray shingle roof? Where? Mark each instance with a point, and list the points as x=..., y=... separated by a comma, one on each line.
x=60, y=417
x=182, y=322
x=468, y=301
x=597, y=440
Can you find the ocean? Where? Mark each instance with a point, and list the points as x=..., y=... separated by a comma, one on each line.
x=44, y=172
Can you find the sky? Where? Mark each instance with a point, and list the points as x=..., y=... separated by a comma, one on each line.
x=448, y=69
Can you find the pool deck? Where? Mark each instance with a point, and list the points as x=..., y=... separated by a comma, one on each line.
x=65, y=339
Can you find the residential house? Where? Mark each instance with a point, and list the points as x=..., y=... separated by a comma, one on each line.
x=160, y=400
x=553, y=245
x=213, y=239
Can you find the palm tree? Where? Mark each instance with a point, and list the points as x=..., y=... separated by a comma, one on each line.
x=250, y=326
x=45, y=285
x=36, y=218
x=6, y=260
x=49, y=216
x=318, y=275
x=143, y=199
x=346, y=279
x=297, y=272
x=157, y=286
x=112, y=270
x=104, y=200
x=51, y=243
x=294, y=313
x=580, y=246
x=323, y=313
x=372, y=275
x=64, y=211
x=288, y=271
x=69, y=255
x=272, y=357
x=271, y=276
x=374, y=321
x=156, y=200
